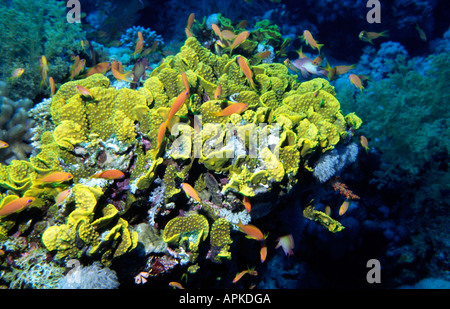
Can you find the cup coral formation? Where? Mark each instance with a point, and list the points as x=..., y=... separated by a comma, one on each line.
x=260, y=153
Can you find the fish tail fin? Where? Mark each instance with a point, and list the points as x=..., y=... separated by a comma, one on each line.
x=319, y=46
x=385, y=33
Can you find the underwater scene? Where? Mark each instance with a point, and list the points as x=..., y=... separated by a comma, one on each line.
x=228, y=144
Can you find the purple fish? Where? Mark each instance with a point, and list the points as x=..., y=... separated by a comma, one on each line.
x=306, y=67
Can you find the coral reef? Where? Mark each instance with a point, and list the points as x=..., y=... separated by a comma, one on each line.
x=94, y=276
x=14, y=129
x=47, y=33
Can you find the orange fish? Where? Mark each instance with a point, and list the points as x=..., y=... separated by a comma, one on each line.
x=139, y=44
x=241, y=37
x=177, y=104
x=109, y=174
x=3, y=144
x=249, y=271
x=52, y=86
x=327, y=210
x=263, y=54
x=161, y=133
x=62, y=196
x=228, y=35
x=44, y=70
x=286, y=243
x=17, y=73
x=422, y=34
x=116, y=68
x=364, y=143
x=246, y=69
x=342, y=69
x=247, y=204
x=318, y=60
x=243, y=24
x=354, y=79
x=217, y=31
x=185, y=81
x=16, y=205
x=218, y=92
x=300, y=53
x=83, y=91
x=187, y=188
x=252, y=231
x=344, y=207
x=263, y=251
x=369, y=36
x=308, y=38
x=77, y=67
x=176, y=285
x=232, y=109
x=188, y=33
x=101, y=68
x=190, y=21
x=56, y=177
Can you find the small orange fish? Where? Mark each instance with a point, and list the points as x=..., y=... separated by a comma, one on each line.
x=77, y=67
x=177, y=104
x=364, y=143
x=116, y=70
x=187, y=188
x=62, y=196
x=232, y=109
x=264, y=54
x=101, y=68
x=286, y=242
x=176, y=285
x=369, y=36
x=228, y=35
x=344, y=207
x=342, y=69
x=17, y=73
x=16, y=205
x=263, y=252
x=52, y=86
x=161, y=133
x=327, y=210
x=218, y=92
x=83, y=91
x=318, y=60
x=109, y=174
x=139, y=44
x=308, y=38
x=300, y=53
x=354, y=79
x=56, y=177
x=241, y=37
x=243, y=24
x=252, y=231
x=185, y=81
x=247, y=204
x=249, y=271
x=217, y=31
x=246, y=70
x=3, y=144
x=422, y=34
x=44, y=70
x=190, y=21
x=188, y=33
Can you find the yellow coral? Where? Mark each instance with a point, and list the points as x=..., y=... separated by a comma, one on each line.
x=194, y=228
